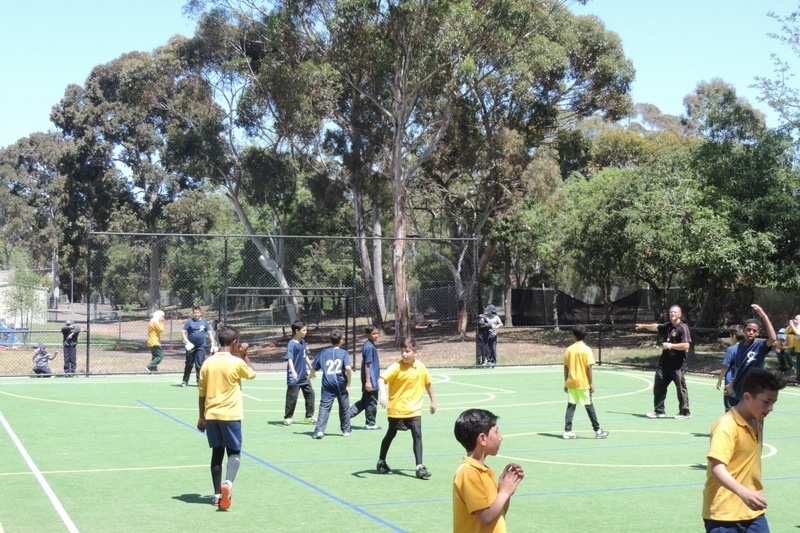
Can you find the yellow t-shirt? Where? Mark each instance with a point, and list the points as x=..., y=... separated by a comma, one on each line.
x=576, y=359
x=406, y=388
x=221, y=384
x=474, y=488
x=154, y=331
x=792, y=338
x=735, y=443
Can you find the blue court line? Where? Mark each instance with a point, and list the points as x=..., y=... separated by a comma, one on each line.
x=291, y=476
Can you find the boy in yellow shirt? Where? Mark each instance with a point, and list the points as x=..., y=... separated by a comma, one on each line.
x=579, y=383
x=479, y=502
x=406, y=380
x=732, y=497
x=222, y=410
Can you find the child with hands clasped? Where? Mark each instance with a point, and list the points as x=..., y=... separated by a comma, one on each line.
x=479, y=502
x=732, y=497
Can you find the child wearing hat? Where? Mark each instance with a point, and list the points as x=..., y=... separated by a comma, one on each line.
x=41, y=360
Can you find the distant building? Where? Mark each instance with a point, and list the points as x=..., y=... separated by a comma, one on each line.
x=21, y=306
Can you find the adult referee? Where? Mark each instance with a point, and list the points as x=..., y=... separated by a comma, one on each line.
x=677, y=341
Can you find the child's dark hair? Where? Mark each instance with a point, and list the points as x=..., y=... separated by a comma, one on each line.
x=227, y=335
x=409, y=344
x=472, y=423
x=759, y=380
x=297, y=325
x=579, y=332
x=737, y=332
x=336, y=337
x=751, y=321
x=369, y=330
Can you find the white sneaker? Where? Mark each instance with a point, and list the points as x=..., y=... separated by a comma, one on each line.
x=311, y=420
x=600, y=434
x=287, y=421
x=346, y=434
x=653, y=414
x=682, y=417
x=319, y=435
x=569, y=435
x=372, y=428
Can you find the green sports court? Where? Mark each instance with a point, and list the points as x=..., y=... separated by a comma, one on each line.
x=99, y=454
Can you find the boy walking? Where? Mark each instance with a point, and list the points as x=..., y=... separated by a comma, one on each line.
x=579, y=383
x=221, y=409
x=336, y=373
x=406, y=380
x=480, y=503
x=370, y=372
x=297, y=366
x=732, y=497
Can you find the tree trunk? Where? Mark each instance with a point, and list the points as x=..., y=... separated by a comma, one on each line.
x=266, y=260
x=377, y=262
x=402, y=323
x=373, y=305
x=154, y=285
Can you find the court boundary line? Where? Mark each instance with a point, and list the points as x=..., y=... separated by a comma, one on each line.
x=291, y=476
x=48, y=490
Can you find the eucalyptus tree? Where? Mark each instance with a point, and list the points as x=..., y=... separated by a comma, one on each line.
x=119, y=122
x=31, y=214
x=541, y=69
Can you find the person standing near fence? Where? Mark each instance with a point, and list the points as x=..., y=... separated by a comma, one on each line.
x=222, y=409
x=370, y=373
x=678, y=341
x=488, y=324
x=297, y=366
x=154, y=330
x=195, y=333
x=70, y=333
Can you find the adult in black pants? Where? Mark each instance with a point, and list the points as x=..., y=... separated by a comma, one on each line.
x=677, y=341
x=70, y=333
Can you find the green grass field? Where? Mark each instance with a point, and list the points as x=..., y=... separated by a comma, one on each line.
x=121, y=454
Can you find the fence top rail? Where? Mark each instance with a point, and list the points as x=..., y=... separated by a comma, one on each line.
x=236, y=235
x=291, y=288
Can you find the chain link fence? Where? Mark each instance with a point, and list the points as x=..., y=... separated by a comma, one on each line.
x=261, y=284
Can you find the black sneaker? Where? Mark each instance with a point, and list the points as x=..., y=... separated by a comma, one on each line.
x=383, y=468
x=422, y=472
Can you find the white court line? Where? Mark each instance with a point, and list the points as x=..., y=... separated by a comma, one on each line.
x=42, y=481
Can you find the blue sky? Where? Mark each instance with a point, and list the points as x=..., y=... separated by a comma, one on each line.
x=675, y=45
x=46, y=45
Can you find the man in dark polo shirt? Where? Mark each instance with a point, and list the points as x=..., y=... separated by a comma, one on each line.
x=677, y=341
